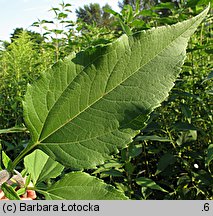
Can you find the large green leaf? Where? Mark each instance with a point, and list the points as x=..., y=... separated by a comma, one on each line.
x=82, y=186
x=93, y=103
x=41, y=166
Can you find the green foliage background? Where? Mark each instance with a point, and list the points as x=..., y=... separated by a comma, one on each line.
x=171, y=157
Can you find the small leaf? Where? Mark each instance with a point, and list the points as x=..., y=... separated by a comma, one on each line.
x=36, y=24
x=164, y=162
x=146, y=182
x=6, y=160
x=82, y=186
x=129, y=12
x=153, y=138
x=115, y=164
x=137, y=6
x=209, y=156
x=108, y=166
x=67, y=5
x=203, y=2
x=113, y=172
x=41, y=166
x=21, y=191
x=204, y=177
x=184, y=126
x=186, y=136
x=57, y=31
x=210, y=92
x=209, y=77
x=9, y=192
x=13, y=130
x=54, y=9
x=186, y=110
x=183, y=180
x=134, y=150
x=46, y=22
x=116, y=14
x=147, y=13
x=186, y=94
x=28, y=179
x=62, y=15
x=127, y=30
x=168, y=5
x=138, y=23
x=129, y=167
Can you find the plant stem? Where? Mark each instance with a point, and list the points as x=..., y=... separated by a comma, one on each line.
x=20, y=156
x=170, y=137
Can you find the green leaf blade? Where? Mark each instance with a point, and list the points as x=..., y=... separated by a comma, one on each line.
x=9, y=192
x=82, y=186
x=95, y=102
x=209, y=156
x=149, y=183
x=153, y=138
x=166, y=160
x=41, y=166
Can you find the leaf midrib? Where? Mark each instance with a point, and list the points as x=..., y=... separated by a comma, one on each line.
x=61, y=95
x=118, y=83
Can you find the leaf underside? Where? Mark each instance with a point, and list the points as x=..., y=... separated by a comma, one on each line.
x=82, y=186
x=93, y=103
x=41, y=166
